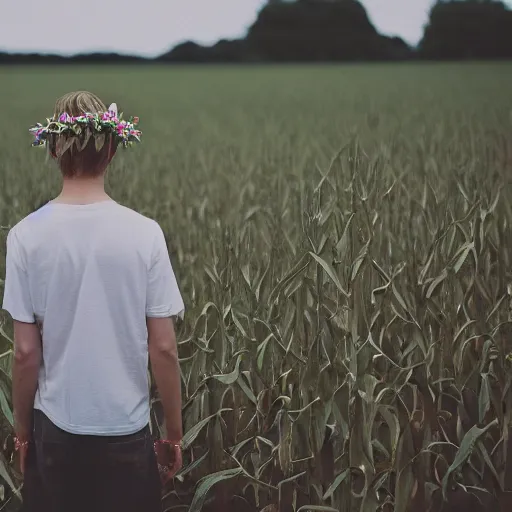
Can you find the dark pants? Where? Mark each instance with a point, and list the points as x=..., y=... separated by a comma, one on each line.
x=67, y=472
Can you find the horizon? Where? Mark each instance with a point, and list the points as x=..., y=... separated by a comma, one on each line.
x=153, y=29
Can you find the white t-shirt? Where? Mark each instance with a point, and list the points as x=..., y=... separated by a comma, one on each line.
x=90, y=275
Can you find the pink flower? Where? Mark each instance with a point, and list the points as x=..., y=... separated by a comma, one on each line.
x=121, y=126
x=64, y=118
x=109, y=116
x=135, y=120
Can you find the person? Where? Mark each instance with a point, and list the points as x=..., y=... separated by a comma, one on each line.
x=93, y=296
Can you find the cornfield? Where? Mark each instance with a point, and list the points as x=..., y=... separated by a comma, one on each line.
x=342, y=238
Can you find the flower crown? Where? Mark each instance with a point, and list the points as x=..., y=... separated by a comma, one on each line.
x=100, y=123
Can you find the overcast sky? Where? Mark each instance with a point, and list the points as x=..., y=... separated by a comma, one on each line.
x=150, y=27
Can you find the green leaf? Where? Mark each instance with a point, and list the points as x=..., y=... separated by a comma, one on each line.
x=235, y=449
x=230, y=378
x=270, y=508
x=490, y=465
x=8, y=338
x=191, y=435
x=464, y=254
x=337, y=481
x=192, y=466
x=342, y=245
x=207, y=483
x=238, y=324
x=297, y=269
x=247, y=390
x=399, y=298
x=330, y=272
x=261, y=351
x=394, y=428
x=4, y=406
x=291, y=479
x=465, y=450
x=315, y=508
x=484, y=398
x=4, y=474
x=359, y=261
x=305, y=408
x=266, y=441
x=405, y=477
x=436, y=282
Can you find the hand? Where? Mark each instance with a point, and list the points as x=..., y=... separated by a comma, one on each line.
x=23, y=457
x=22, y=446
x=169, y=459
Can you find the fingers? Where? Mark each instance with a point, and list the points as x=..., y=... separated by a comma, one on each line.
x=23, y=456
x=168, y=470
x=176, y=465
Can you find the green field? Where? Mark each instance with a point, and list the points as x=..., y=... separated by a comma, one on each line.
x=342, y=237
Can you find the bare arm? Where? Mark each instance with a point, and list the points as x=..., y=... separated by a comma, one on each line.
x=163, y=353
x=25, y=372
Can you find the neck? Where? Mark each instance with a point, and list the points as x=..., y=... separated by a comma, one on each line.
x=82, y=190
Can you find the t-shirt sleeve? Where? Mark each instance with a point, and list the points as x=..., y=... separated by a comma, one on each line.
x=17, y=300
x=163, y=295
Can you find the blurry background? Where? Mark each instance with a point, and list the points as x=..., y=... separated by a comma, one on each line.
x=333, y=179
x=256, y=31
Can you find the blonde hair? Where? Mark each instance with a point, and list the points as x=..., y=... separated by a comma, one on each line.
x=87, y=154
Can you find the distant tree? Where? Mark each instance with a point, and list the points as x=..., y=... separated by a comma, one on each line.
x=188, y=51
x=301, y=31
x=468, y=29
x=319, y=30
x=86, y=58
x=223, y=51
x=231, y=51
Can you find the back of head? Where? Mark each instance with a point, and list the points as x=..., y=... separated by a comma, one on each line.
x=83, y=135
x=86, y=153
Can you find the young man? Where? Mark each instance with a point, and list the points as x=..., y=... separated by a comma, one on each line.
x=92, y=293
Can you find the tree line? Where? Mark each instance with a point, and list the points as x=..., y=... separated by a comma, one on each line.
x=338, y=31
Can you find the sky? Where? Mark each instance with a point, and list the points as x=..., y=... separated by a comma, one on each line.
x=151, y=27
